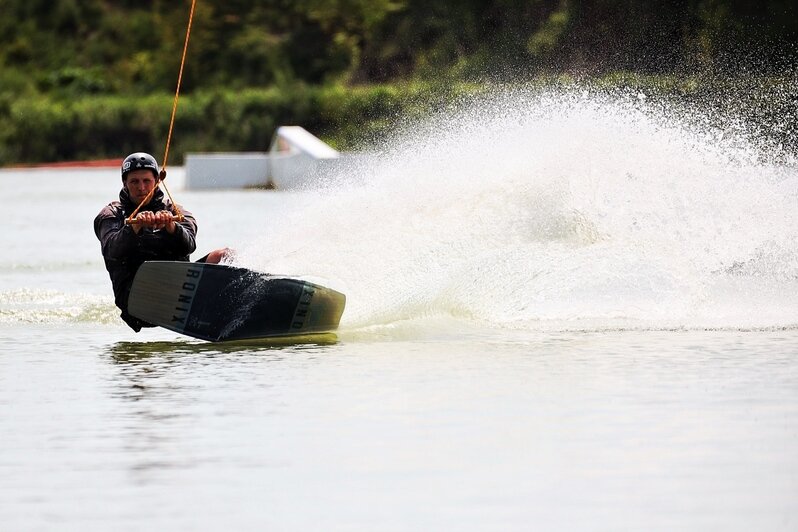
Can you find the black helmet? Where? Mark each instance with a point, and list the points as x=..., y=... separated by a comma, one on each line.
x=138, y=160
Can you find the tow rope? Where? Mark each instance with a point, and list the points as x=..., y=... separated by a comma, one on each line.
x=178, y=216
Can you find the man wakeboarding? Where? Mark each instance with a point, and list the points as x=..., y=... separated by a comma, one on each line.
x=156, y=234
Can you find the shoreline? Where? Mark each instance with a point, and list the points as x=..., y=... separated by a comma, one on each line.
x=95, y=163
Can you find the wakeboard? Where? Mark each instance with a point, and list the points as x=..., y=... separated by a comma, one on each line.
x=217, y=302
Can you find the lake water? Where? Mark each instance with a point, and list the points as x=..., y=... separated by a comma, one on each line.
x=544, y=331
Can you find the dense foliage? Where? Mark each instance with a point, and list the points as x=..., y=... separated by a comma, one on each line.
x=41, y=128
x=120, y=46
x=105, y=58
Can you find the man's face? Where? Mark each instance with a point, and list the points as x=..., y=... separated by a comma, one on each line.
x=139, y=183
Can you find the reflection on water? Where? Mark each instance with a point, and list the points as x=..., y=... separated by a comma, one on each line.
x=153, y=368
x=165, y=390
x=130, y=351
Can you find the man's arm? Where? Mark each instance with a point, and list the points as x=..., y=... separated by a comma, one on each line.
x=185, y=234
x=117, y=240
x=171, y=237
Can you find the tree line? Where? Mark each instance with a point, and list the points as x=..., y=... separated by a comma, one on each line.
x=84, y=79
x=134, y=46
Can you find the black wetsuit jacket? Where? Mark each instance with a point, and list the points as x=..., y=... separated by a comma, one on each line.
x=124, y=250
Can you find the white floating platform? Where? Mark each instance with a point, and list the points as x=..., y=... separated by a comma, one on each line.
x=296, y=159
x=226, y=170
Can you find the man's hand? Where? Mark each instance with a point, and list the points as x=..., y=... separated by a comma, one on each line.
x=155, y=220
x=164, y=220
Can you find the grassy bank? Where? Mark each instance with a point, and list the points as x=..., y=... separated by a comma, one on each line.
x=52, y=128
x=46, y=128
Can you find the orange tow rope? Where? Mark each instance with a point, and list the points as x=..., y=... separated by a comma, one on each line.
x=178, y=215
